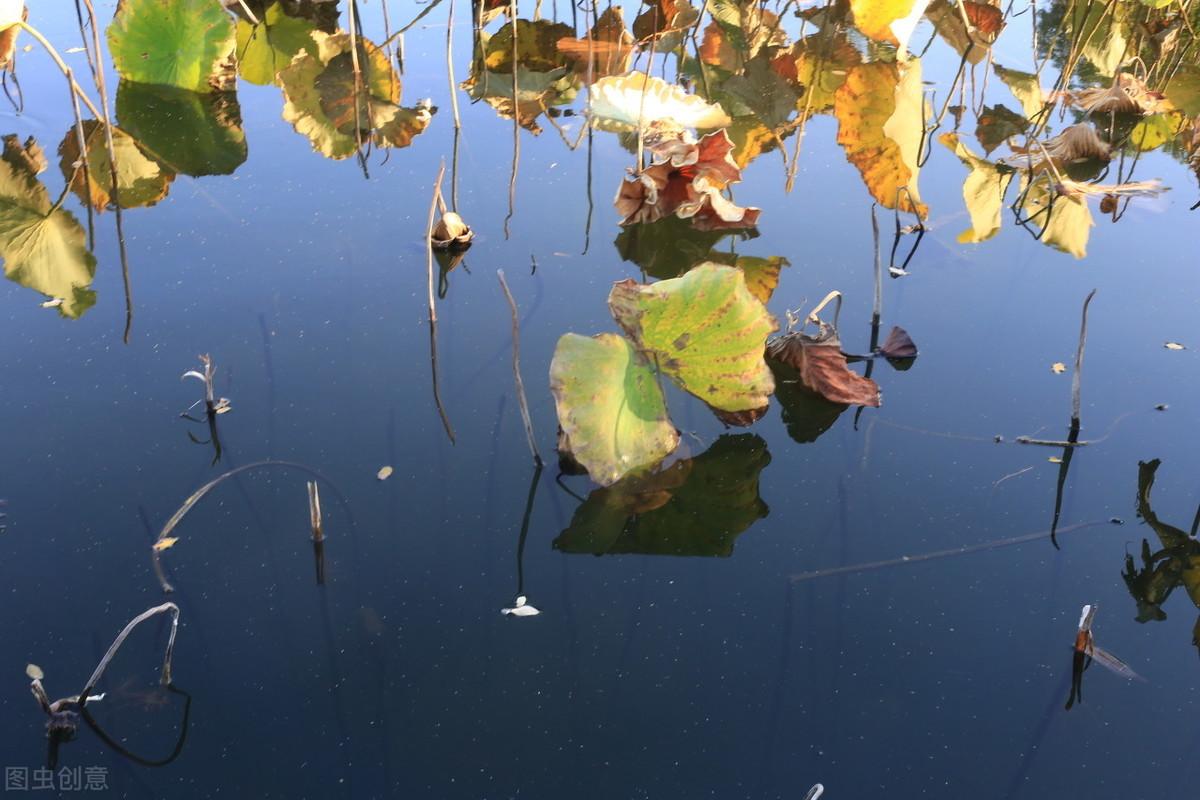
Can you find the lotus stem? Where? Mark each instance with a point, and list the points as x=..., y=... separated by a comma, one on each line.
x=1077, y=378
x=165, y=678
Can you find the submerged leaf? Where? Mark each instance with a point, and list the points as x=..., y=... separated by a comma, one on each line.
x=187, y=44
x=610, y=406
x=705, y=330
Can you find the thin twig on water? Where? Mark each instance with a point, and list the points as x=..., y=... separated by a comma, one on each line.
x=1077, y=378
x=433, y=360
x=516, y=344
x=995, y=544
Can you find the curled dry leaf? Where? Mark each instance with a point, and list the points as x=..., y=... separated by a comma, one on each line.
x=1077, y=142
x=898, y=344
x=822, y=368
x=384, y=473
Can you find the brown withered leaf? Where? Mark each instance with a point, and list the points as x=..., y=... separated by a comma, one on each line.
x=608, y=45
x=822, y=368
x=898, y=345
x=986, y=19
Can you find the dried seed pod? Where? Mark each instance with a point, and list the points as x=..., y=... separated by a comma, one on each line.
x=451, y=232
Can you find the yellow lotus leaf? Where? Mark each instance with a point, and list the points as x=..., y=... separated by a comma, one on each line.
x=1065, y=222
x=880, y=113
x=888, y=20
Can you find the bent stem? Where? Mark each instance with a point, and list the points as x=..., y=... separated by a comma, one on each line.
x=433, y=359
x=120, y=640
x=516, y=342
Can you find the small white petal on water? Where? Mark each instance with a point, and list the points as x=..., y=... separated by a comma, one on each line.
x=1174, y=346
x=55, y=303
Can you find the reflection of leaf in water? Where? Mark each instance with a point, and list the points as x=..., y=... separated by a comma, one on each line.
x=610, y=406
x=695, y=507
x=187, y=44
x=986, y=22
x=706, y=331
x=620, y=103
x=43, y=246
x=1154, y=131
x=1105, y=44
x=751, y=138
x=1178, y=563
x=668, y=247
x=193, y=134
x=880, y=112
x=663, y=17
x=536, y=92
x=888, y=20
x=608, y=45
x=806, y=414
x=761, y=88
x=996, y=124
x=141, y=181
x=1024, y=86
x=983, y=190
x=266, y=48
x=537, y=46
x=739, y=30
x=1183, y=90
x=327, y=105
x=822, y=62
x=1065, y=223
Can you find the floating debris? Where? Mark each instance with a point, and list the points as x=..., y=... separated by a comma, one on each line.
x=1058, y=368
x=1174, y=346
x=35, y=672
x=384, y=473
x=521, y=608
x=165, y=543
x=1161, y=407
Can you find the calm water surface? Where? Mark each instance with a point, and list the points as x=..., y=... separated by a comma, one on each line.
x=685, y=661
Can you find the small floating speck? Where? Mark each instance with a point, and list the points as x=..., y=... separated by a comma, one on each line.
x=384, y=473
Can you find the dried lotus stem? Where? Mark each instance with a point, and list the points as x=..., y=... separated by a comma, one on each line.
x=516, y=344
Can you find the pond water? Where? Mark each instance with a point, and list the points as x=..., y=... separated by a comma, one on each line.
x=708, y=632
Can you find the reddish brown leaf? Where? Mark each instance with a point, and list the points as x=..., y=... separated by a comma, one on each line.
x=898, y=345
x=985, y=18
x=822, y=368
x=655, y=20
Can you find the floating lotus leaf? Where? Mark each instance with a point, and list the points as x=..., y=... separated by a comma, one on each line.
x=705, y=330
x=43, y=246
x=141, y=181
x=269, y=46
x=983, y=190
x=189, y=133
x=695, y=507
x=335, y=111
x=880, y=112
x=187, y=44
x=609, y=406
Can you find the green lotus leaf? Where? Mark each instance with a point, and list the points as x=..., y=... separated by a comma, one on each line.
x=43, y=246
x=609, y=406
x=187, y=44
x=269, y=46
x=336, y=112
x=695, y=507
x=141, y=181
x=187, y=132
x=762, y=274
x=705, y=330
